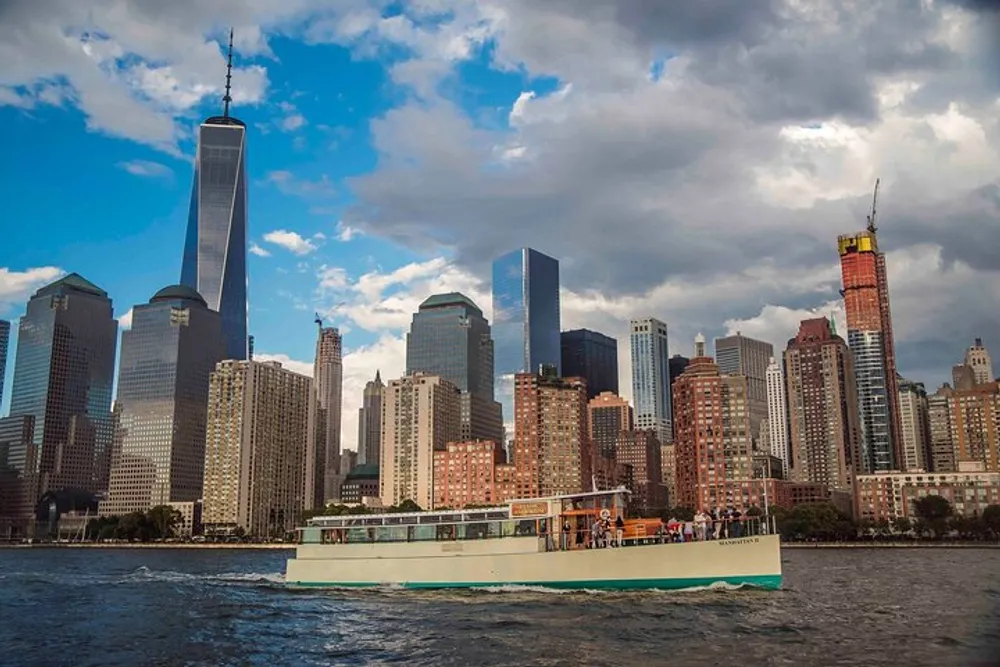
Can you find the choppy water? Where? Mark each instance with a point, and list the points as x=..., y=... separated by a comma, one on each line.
x=85, y=607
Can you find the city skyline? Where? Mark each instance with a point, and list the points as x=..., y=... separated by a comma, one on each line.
x=128, y=236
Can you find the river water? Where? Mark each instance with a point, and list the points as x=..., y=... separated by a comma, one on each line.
x=99, y=607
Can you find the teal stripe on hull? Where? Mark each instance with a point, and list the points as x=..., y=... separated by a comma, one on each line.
x=768, y=581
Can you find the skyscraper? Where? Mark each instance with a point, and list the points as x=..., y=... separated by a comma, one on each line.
x=166, y=359
x=526, y=320
x=449, y=337
x=420, y=415
x=977, y=357
x=593, y=357
x=651, y=377
x=777, y=413
x=608, y=415
x=915, y=419
x=328, y=376
x=215, y=249
x=63, y=374
x=370, y=422
x=822, y=406
x=4, y=343
x=869, y=335
x=713, y=450
x=552, y=451
x=259, y=445
x=742, y=355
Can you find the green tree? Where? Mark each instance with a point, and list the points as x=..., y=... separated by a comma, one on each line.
x=902, y=525
x=679, y=513
x=991, y=519
x=816, y=521
x=934, y=511
x=163, y=521
x=134, y=527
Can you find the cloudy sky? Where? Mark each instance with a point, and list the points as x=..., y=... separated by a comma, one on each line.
x=691, y=161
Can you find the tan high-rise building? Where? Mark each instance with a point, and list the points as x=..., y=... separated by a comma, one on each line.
x=713, y=445
x=822, y=406
x=914, y=419
x=421, y=414
x=552, y=449
x=608, y=415
x=641, y=451
x=742, y=355
x=941, y=448
x=328, y=371
x=668, y=473
x=370, y=421
x=975, y=425
x=260, y=449
x=977, y=357
x=470, y=473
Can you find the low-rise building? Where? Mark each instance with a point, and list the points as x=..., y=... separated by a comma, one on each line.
x=465, y=473
x=360, y=483
x=893, y=495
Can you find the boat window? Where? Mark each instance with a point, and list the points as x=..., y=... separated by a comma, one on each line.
x=356, y=535
x=446, y=532
x=424, y=533
x=391, y=534
x=476, y=531
x=525, y=527
x=498, y=515
x=310, y=535
x=509, y=528
x=496, y=528
x=390, y=520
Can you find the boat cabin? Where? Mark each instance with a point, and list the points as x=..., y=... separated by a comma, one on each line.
x=563, y=522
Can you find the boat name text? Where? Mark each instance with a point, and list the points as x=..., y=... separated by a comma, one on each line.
x=739, y=540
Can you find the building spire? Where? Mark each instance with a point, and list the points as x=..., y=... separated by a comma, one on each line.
x=229, y=76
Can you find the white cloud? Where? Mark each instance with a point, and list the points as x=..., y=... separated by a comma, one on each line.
x=16, y=287
x=125, y=321
x=290, y=241
x=345, y=232
x=300, y=367
x=293, y=122
x=257, y=250
x=146, y=168
x=290, y=184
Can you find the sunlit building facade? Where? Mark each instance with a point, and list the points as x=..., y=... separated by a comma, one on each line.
x=328, y=380
x=260, y=446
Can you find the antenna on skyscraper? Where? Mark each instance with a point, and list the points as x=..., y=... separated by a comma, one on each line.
x=229, y=77
x=871, y=218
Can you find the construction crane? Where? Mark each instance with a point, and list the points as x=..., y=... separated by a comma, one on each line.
x=871, y=218
x=319, y=320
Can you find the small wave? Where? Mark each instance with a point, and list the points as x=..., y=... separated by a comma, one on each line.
x=143, y=573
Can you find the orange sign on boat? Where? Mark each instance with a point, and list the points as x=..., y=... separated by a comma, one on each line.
x=529, y=509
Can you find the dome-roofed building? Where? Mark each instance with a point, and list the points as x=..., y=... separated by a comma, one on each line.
x=178, y=293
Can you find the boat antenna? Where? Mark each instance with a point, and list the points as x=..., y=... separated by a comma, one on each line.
x=227, y=98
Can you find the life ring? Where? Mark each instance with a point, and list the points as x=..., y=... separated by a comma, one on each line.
x=605, y=513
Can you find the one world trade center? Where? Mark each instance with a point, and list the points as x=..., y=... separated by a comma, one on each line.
x=215, y=248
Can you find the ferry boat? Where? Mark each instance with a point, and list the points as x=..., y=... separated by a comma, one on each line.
x=525, y=543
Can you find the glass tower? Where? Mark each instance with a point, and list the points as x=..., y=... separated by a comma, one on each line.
x=450, y=337
x=63, y=375
x=4, y=342
x=592, y=356
x=215, y=249
x=651, y=377
x=526, y=320
x=166, y=360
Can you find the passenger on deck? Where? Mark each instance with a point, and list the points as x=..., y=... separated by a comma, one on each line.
x=595, y=534
x=619, y=530
x=565, y=535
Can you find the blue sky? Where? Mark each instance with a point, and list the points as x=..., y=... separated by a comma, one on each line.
x=688, y=161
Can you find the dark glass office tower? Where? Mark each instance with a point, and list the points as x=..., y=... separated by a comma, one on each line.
x=4, y=343
x=215, y=249
x=592, y=356
x=526, y=321
x=63, y=374
x=450, y=337
x=167, y=358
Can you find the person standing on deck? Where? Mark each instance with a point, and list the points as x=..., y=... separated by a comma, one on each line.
x=565, y=535
x=619, y=530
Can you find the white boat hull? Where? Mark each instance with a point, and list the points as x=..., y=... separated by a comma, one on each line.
x=523, y=561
